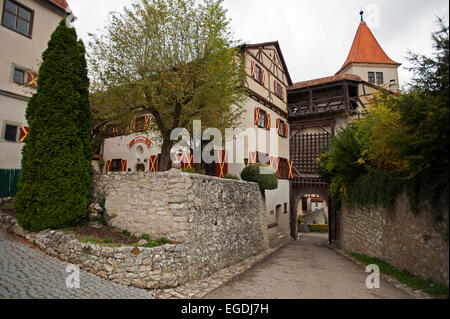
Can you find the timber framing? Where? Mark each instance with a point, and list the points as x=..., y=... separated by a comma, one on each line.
x=258, y=98
x=280, y=54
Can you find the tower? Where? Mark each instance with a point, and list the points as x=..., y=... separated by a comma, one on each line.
x=369, y=61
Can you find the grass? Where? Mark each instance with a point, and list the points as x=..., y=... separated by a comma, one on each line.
x=412, y=281
x=109, y=242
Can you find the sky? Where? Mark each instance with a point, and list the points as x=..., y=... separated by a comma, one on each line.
x=315, y=35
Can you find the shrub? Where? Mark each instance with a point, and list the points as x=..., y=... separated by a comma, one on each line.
x=202, y=172
x=318, y=228
x=163, y=241
x=54, y=187
x=252, y=173
x=301, y=220
x=145, y=237
x=151, y=244
x=231, y=176
x=189, y=170
x=126, y=232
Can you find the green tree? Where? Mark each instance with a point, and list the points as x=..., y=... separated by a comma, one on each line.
x=173, y=59
x=54, y=186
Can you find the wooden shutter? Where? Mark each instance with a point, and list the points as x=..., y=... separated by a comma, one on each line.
x=278, y=126
x=23, y=133
x=32, y=79
x=108, y=166
x=188, y=161
x=263, y=77
x=221, y=164
x=147, y=122
x=257, y=110
x=253, y=158
x=268, y=121
x=286, y=134
x=253, y=69
x=124, y=165
x=154, y=163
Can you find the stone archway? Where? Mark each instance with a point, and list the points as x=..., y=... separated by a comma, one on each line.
x=299, y=192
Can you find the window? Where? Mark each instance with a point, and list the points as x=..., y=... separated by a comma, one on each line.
x=18, y=76
x=17, y=18
x=279, y=91
x=371, y=77
x=116, y=165
x=380, y=78
x=262, y=119
x=282, y=129
x=11, y=132
x=258, y=74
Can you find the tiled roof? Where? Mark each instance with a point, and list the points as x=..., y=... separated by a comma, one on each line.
x=366, y=49
x=326, y=80
x=62, y=4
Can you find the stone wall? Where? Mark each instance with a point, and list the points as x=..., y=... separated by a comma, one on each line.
x=408, y=242
x=219, y=222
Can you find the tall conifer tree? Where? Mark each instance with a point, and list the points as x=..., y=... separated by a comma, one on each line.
x=54, y=187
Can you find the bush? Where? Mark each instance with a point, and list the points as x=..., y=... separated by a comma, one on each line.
x=54, y=187
x=265, y=181
x=163, y=241
x=189, y=170
x=231, y=176
x=145, y=237
x=301, y=220
x=318, y=228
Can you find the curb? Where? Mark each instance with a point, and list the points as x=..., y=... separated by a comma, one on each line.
x=417, y=294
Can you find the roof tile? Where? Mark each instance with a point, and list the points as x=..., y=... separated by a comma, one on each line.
x=366, y=49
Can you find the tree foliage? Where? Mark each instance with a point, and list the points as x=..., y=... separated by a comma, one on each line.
x=173, y=59
x=401, y=144
x=54, y=186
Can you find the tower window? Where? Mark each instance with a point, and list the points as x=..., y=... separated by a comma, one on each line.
x=372, y=77
x=380, y=78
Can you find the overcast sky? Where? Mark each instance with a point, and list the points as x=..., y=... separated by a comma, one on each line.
x=315, y=35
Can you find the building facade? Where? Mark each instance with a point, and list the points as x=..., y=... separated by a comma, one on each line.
x=26, y=27
x=264, y=118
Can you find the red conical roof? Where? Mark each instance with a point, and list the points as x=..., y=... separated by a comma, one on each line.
x=366, y=49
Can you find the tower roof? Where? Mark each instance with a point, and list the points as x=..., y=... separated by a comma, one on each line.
x=366, y=49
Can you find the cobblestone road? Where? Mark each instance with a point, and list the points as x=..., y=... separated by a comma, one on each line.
x=27, y=273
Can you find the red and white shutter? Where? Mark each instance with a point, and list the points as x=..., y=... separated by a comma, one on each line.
x=221, y=165
x=124, y=165
x=153, y=163
x=257, y=110
x=108, y=166
x=23, y=133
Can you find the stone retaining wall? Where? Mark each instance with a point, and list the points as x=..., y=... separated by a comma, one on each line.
x=219, y=221
x=213, y=223
x=406, y=241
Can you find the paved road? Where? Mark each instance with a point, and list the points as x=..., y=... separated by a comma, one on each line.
x=27, y=273
x=305, y=269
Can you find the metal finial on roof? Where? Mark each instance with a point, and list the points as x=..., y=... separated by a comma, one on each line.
x=362, y=13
